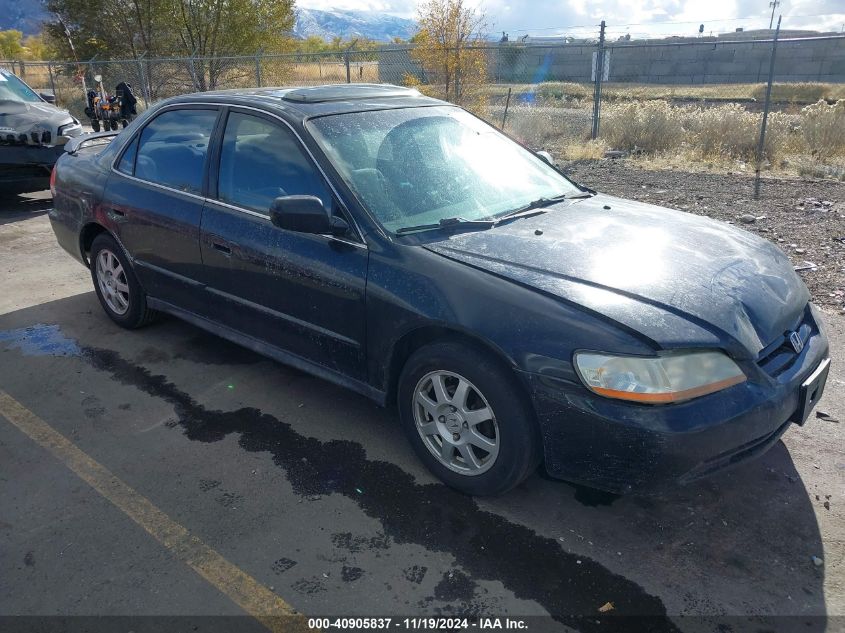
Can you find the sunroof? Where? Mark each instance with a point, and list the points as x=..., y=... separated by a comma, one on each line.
x=344, y=92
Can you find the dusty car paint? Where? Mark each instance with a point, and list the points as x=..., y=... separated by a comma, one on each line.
x=599, y=273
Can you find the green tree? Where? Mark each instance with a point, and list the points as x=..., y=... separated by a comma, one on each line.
x=128, y=29
x=212, y=29
x=36, y=47
x=10, y=44
x=158, y=28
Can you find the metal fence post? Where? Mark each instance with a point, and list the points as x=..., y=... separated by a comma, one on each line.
x=193, y=72
x=505, y=115
x=258, y=68
x=52, y=79
x=594, y=134
x=145, y=91
x=346, y=60
x=761, y=144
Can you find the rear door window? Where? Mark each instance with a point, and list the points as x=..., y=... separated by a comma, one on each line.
x=173, y=148
x=261, y=161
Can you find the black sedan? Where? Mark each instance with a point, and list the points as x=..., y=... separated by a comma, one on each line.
x=401, y=247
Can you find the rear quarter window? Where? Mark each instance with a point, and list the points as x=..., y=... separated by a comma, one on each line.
x=127, y=161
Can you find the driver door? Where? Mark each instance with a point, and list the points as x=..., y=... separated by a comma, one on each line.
x=298, y=292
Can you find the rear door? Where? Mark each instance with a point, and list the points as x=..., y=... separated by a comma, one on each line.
x=155, y=199
x=299, y=292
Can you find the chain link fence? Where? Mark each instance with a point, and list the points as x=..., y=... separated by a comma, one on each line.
x=696, y=99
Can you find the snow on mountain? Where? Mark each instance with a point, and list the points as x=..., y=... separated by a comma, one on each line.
x=351, y=24
x=28, y=15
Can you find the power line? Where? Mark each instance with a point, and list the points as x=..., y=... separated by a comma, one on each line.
x=591, y=26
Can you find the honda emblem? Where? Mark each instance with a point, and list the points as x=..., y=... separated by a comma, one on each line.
x=797, y=343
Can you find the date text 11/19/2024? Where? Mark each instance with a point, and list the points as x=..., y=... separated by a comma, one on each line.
x=411, y=624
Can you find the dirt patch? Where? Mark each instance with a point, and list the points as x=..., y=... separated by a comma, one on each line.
x=805, y=218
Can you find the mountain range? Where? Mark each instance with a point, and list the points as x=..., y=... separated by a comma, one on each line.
x=27, y=17
x=348, y=24
x=23, y=16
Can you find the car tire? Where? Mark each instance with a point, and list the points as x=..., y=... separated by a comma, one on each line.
x=116, y=285
x=490, y=404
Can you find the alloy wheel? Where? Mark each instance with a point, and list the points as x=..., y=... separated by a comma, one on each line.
x=456, y=423
x=112, y=281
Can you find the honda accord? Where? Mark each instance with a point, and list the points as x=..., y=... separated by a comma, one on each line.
x=403, y=248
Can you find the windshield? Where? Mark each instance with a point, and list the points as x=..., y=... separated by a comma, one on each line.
x=13, y=89
x=418, y=166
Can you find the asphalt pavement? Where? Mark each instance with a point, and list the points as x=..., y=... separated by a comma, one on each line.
x=166, y=472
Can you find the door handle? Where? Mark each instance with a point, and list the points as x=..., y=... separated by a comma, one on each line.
x=223, y=248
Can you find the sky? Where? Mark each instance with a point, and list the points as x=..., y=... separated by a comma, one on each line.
x=638, y=17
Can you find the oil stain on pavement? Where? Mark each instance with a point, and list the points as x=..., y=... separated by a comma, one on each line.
x=484, y=545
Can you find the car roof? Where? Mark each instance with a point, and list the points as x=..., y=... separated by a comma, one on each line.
x=309, y=101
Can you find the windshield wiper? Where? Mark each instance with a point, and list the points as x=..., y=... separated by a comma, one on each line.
x=540, y=203
x=447, y=223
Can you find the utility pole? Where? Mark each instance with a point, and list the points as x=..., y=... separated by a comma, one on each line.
x=774, y=4
x=594, y=134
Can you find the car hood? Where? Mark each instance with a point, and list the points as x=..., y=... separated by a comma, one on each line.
x=26, y=117
x=673, y=277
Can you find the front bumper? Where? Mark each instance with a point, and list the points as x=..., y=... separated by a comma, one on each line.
x=23, y=163
x=626, y=447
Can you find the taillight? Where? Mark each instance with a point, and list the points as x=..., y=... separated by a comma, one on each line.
x=53, y=182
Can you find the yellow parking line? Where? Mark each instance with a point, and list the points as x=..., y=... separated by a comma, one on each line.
x=253, y=597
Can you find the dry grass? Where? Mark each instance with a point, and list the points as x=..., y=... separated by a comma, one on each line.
x=543, y=127
x=649, y=126
x=725, y=132
x=797, y=93
x=823, y=127
x=801, y=92
x=591, y=150
x=809, y=167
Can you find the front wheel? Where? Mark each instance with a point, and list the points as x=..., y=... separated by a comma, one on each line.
x=467, y=419
x=116, y=286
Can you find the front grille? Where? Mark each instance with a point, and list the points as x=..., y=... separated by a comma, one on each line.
x=779, y=355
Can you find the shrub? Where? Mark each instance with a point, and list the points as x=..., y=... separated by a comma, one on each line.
x=650, y=126
x=823, y=126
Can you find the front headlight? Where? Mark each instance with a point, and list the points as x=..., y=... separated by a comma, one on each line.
x=660, y=379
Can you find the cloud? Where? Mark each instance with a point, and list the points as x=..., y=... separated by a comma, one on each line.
x=637, y=17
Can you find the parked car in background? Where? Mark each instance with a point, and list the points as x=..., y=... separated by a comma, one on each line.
x=32, y=134
x=401, y=247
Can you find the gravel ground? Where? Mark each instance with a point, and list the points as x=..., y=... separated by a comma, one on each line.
x=805, y=217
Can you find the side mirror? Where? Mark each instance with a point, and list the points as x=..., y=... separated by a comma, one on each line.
x=546, y=157
x=47, y=97
x=305, y=214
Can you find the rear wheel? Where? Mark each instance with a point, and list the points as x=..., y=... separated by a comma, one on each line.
x=467, y=419
x=116, y=286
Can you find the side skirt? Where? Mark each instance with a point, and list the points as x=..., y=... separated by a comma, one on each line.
x=256, y=345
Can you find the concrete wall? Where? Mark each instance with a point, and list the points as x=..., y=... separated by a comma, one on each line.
x=699, y=62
